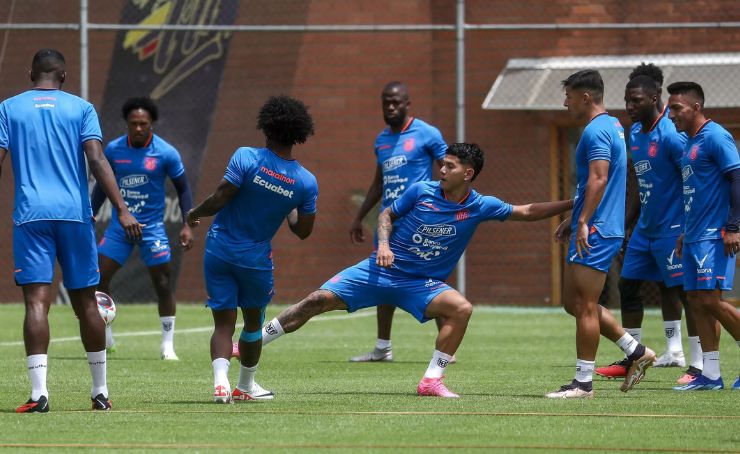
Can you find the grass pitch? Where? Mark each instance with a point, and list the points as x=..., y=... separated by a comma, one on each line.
x=508, y=360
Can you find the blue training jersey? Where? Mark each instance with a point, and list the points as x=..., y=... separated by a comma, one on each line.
x=44, y=131
x=706, y=192
x=270, y=187
x=431, y=233
x=407, y=157
x=603, y=139
x=656, y=157
x=141, y=174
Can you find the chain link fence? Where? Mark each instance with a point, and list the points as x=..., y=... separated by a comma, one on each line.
x=210, y=64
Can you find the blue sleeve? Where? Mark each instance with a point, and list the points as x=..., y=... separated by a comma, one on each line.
x=237, y=168
x=724, y=152
x=4, y=136
x=436, y=145
x=184, y=195
x=90, y=125
x=598, y=144
x=309, y=202
x=174, y=166
x=493, y=208
x=676, y=143
x=402, y=205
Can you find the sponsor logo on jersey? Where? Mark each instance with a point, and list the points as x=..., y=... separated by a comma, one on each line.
x=642, y=166
x=133, y=181
x=276, y=188
x=686, y=172
x=437, y=230
x=394, y=162
x=277, y=176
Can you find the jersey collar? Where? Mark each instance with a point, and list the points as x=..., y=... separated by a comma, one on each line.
x=148, y=141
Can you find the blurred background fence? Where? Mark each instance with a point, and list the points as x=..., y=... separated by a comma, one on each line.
x=481, y=71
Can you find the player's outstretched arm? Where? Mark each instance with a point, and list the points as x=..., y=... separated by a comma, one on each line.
x=374, y=192
x=384, y=256
x=101, y=170
x=301, y=224
x=213, y=203
x=537, y=211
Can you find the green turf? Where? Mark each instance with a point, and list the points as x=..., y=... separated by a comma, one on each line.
x=508, y=360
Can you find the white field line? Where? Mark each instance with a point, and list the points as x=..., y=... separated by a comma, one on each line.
x=204, y=329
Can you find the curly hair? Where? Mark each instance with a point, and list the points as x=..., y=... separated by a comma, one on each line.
x=285, y=120
x=650, y=70
x=470, y=154
x=143, y=103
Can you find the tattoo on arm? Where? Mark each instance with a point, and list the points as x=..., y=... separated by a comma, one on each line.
x=385, y=226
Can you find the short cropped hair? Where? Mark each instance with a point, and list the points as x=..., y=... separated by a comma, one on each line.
x=588, y=80
x=687, y=88
x=285, y=120
x=646, y=83
x=48, y=61
x=143, y=103
x=470, y=154
x=650, y=70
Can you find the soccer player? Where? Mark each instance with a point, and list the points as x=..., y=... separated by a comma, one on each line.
x=142, y=161
x=261, y=187
x=597, y=224
x=405, y=153
x=656, y=149
x=48, y=134
x=421, y=236
x=711, y=236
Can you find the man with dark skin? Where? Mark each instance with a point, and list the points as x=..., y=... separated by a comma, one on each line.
x=405, y=153
x=52, y=132
x=142, y=161
x=261, y=188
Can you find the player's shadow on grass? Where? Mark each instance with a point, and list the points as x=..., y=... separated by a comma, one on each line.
x=114, y=359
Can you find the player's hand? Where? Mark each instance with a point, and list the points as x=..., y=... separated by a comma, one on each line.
x=356, y=232
x=679, y=246
x=562, y=233
x=193, y=221
x=582, y=246
x=186, y=238
x=384, y=257
x=732, y=243
x=130, y=225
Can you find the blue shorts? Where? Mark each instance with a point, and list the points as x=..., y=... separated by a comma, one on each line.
x=37, y=244
x=229, y=286
x=706, y=267
x=602, y=252
x=653, y=259
x=367, y=285
x=154, y=247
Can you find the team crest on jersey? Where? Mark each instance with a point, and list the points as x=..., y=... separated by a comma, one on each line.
x=653, y=149
x=150, y=163
x=408, y=144
x=694, y=152
x=462, y=215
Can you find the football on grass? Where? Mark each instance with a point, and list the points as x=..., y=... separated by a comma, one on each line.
x=106, y=307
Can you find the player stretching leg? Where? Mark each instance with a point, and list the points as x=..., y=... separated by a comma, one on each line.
x=421, y=236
